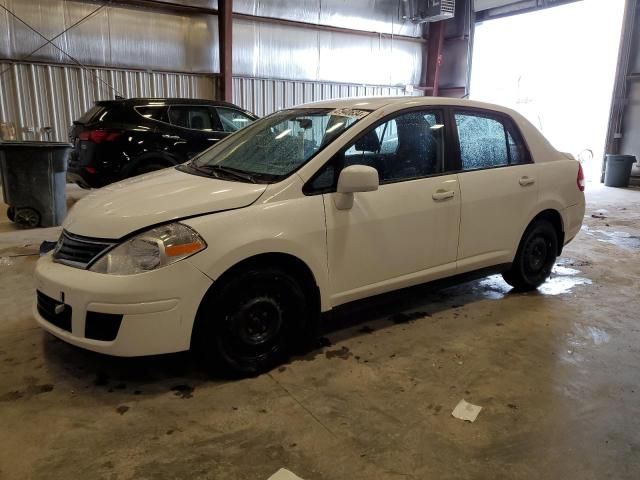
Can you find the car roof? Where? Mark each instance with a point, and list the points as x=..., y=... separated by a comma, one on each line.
x=166, y=101
x=374, y=103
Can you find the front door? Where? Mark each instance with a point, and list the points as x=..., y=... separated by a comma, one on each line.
x=406, y=232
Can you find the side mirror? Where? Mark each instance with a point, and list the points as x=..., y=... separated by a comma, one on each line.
x=353, y=179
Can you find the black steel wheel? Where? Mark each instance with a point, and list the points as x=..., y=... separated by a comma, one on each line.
x=27, y=217
x=251, y=322
x=535, y=257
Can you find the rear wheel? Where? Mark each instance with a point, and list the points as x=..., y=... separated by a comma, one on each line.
x=251, y=322
x=535, y=257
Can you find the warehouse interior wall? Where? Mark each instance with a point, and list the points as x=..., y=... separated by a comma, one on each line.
x=133, y=51
x=623, y=136
x=561, y=81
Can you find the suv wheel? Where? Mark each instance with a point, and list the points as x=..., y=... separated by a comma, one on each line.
x=250, y=324
x=149, y=167
x=535, y=257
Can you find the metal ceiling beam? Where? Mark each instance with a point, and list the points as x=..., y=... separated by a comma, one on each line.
x=517, y=8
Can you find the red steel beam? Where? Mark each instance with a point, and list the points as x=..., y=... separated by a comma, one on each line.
x=433, y=60
x=225, y=13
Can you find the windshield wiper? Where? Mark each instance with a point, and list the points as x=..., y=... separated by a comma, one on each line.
x=216, y=170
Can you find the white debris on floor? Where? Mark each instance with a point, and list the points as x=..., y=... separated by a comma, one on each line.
x=466, y=411
x=284, y=474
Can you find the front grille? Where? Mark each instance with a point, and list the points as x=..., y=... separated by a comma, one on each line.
x=47, y=310
x=77, y=251
x=102, y=326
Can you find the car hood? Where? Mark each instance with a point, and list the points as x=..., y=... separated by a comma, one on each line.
x=124, y=207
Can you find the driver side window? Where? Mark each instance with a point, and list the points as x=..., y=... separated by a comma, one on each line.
x=406, y=147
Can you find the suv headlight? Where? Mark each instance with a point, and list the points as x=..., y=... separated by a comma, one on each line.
x=150, y=250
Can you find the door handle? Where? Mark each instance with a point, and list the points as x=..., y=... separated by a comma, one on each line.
x=172, y=137
x=443, y=195
x=524, y=181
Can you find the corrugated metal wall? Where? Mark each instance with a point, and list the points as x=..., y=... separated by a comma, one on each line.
x=127, y=37
x=263, y=96
x=35, y=96
x=277, y=65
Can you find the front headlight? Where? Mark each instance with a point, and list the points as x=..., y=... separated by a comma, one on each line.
x=150, y=250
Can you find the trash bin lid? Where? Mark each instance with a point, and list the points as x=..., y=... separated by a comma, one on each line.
x=612, y=156
x=4, y=145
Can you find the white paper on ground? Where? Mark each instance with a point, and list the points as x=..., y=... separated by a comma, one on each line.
x=284, y=474
x=466, y=411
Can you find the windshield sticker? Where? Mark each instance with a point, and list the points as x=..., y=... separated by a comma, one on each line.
x=350, y=112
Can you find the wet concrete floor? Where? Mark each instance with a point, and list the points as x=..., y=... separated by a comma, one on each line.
x=556, y=372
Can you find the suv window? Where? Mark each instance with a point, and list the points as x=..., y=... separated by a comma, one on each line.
x=408, y=146
x=486, y=141
x=195, y=118
x=232, y=120
x=91, y=113
x=154, y=113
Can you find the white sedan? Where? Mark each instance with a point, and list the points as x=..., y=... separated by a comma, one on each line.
x=236, y=253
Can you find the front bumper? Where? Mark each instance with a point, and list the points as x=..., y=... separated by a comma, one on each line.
x=158, y=308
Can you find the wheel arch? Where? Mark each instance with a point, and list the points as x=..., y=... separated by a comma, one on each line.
x=554, y=217
x=292, y=264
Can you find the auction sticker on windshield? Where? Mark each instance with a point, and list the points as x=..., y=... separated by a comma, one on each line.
x=350, y=112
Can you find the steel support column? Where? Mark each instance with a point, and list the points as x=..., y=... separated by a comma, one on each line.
x=432, y=59
x=225, y=14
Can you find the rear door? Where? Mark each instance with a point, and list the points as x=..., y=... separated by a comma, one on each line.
x=499, y=188
x=194, y=128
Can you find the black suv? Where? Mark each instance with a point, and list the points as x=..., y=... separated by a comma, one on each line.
x=117, y=139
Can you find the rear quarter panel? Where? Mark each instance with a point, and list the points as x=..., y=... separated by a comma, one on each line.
x=557, y=177
x=559, y=191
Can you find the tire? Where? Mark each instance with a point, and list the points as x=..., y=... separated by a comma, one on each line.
x=148, y=168
x=535, y=258
x=251, y=323
x=11, y=213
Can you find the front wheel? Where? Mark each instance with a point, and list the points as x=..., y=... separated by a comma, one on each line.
x=535, y=257
x=251, y=322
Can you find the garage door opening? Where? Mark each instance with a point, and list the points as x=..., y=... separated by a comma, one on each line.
x=555, y=66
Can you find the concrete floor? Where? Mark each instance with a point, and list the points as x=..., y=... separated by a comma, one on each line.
x=555, y=371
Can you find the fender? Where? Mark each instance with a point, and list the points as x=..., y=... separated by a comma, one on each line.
x=294, y=228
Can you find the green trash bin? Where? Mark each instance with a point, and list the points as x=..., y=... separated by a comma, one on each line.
x=34, y=181
x=618, y=170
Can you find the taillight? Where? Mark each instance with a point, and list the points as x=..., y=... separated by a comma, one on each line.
x=580, y=179
x=99, y=136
